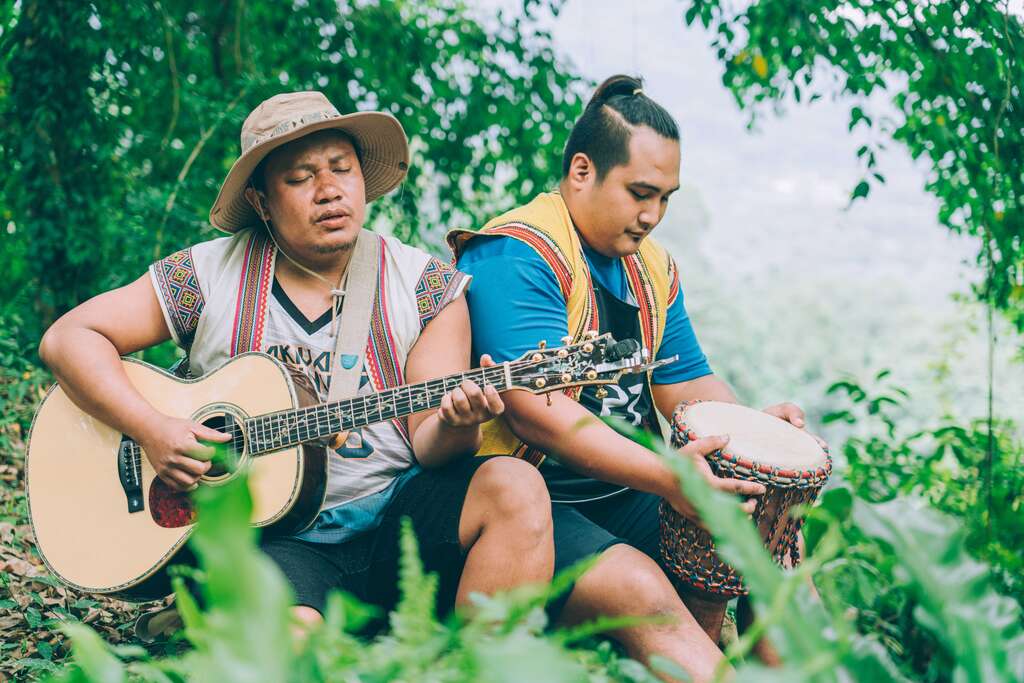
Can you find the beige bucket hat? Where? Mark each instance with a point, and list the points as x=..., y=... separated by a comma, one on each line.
x=383, y=149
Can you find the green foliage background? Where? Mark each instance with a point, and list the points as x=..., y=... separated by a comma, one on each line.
x=951, y=70
x=121, y=119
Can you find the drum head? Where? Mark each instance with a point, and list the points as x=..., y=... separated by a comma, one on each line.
x=755, y=435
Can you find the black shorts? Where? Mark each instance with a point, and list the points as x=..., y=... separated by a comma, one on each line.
x=585, y=529
x=367, y=566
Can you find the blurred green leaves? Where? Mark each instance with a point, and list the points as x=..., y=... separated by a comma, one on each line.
x=899, y=555
x=244, y=635
x=980, y=630
x=121, y=120
x=950, y=72
x=245, y=632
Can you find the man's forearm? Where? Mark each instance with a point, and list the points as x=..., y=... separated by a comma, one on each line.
x=568, y=432
x=90, y=371
x=436, y=443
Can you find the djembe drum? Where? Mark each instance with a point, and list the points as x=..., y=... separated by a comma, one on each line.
x=792, y=465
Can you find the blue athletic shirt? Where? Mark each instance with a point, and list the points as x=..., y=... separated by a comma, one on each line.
x=514, y=302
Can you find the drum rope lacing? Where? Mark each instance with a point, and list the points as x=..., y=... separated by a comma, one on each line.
x=689, y=550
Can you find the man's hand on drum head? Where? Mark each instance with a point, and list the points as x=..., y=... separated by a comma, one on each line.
x=788, y=412
x=697, y=450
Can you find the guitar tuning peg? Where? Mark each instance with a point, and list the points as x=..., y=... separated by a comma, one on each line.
x=592, y=334
x=566, y=340
x=601, y=392
x=542, y=344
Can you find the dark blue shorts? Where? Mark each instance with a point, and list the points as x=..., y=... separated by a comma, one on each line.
x=367, y=565
x=585, y=529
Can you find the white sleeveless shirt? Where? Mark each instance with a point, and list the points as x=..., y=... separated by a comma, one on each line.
x=215, y=294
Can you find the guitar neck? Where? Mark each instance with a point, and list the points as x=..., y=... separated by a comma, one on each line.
x=277, y=431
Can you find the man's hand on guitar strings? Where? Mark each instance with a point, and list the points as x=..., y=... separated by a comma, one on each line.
x=173, y=448
x=468, y=405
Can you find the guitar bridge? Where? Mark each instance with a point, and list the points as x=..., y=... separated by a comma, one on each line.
x=129, y=471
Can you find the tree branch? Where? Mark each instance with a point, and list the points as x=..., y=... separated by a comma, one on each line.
x=193, y=155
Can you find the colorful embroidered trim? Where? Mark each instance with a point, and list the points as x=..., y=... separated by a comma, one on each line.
x=553, y=255
x=530, y=455
x=591, y=318
x=437, y=286
x=179, y=289
x=253, y=288
x=385, y=370
x=643, y=289
x=673, y=279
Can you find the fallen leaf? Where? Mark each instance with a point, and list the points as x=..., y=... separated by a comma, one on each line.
x=19, y=567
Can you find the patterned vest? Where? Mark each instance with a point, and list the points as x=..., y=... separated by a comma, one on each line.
x=545, y=225
x=226, y=315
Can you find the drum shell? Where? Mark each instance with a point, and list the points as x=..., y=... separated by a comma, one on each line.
x=689, y=550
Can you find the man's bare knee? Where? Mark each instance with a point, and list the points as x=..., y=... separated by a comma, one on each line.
x=623, y=582
x=306, y=615
x=512, y=489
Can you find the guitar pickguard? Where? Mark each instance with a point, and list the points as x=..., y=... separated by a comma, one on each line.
x=170, y=509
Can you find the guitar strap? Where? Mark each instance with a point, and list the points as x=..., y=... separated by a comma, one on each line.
x=351, y=332
x=356, y=308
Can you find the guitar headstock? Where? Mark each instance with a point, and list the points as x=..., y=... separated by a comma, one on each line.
x=598, y=359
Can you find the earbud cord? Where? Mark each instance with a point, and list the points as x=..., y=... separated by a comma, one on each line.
x=337, y=291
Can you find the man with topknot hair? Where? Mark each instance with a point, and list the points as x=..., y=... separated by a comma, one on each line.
x=581, y=259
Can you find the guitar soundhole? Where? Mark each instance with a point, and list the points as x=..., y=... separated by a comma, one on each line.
x=229, y=454
x=172, y=509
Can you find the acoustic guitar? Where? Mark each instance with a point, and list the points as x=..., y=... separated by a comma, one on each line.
x=105, y=523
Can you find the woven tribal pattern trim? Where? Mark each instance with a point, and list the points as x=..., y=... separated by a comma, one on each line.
x=643, y=289
x=545, y=246
x=253, y=288
x=673, y=279
x=437, y=286
x=179, y=289
x=553, y=255
x=383, y=366
x=589, y=321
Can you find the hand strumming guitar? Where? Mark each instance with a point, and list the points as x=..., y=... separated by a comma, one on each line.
x=173, y=448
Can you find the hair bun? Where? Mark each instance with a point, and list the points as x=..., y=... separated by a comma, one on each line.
x=620, y=84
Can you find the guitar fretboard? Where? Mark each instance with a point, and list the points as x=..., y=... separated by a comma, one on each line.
x=277, y=431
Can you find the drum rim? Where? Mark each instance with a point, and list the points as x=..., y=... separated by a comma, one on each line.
x=765, y=473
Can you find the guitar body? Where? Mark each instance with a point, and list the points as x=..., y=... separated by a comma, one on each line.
x=85, y=529
x=105, y=523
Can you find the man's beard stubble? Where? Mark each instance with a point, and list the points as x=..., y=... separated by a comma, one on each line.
x=334, y=249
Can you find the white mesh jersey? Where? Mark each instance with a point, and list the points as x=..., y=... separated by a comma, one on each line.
x=372, y=456
x=198, y=289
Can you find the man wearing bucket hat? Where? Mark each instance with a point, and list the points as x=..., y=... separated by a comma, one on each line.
x=294, y=205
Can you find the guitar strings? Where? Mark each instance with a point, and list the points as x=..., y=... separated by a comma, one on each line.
x=326, y=417
x=380, y=401
x=492, y=376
